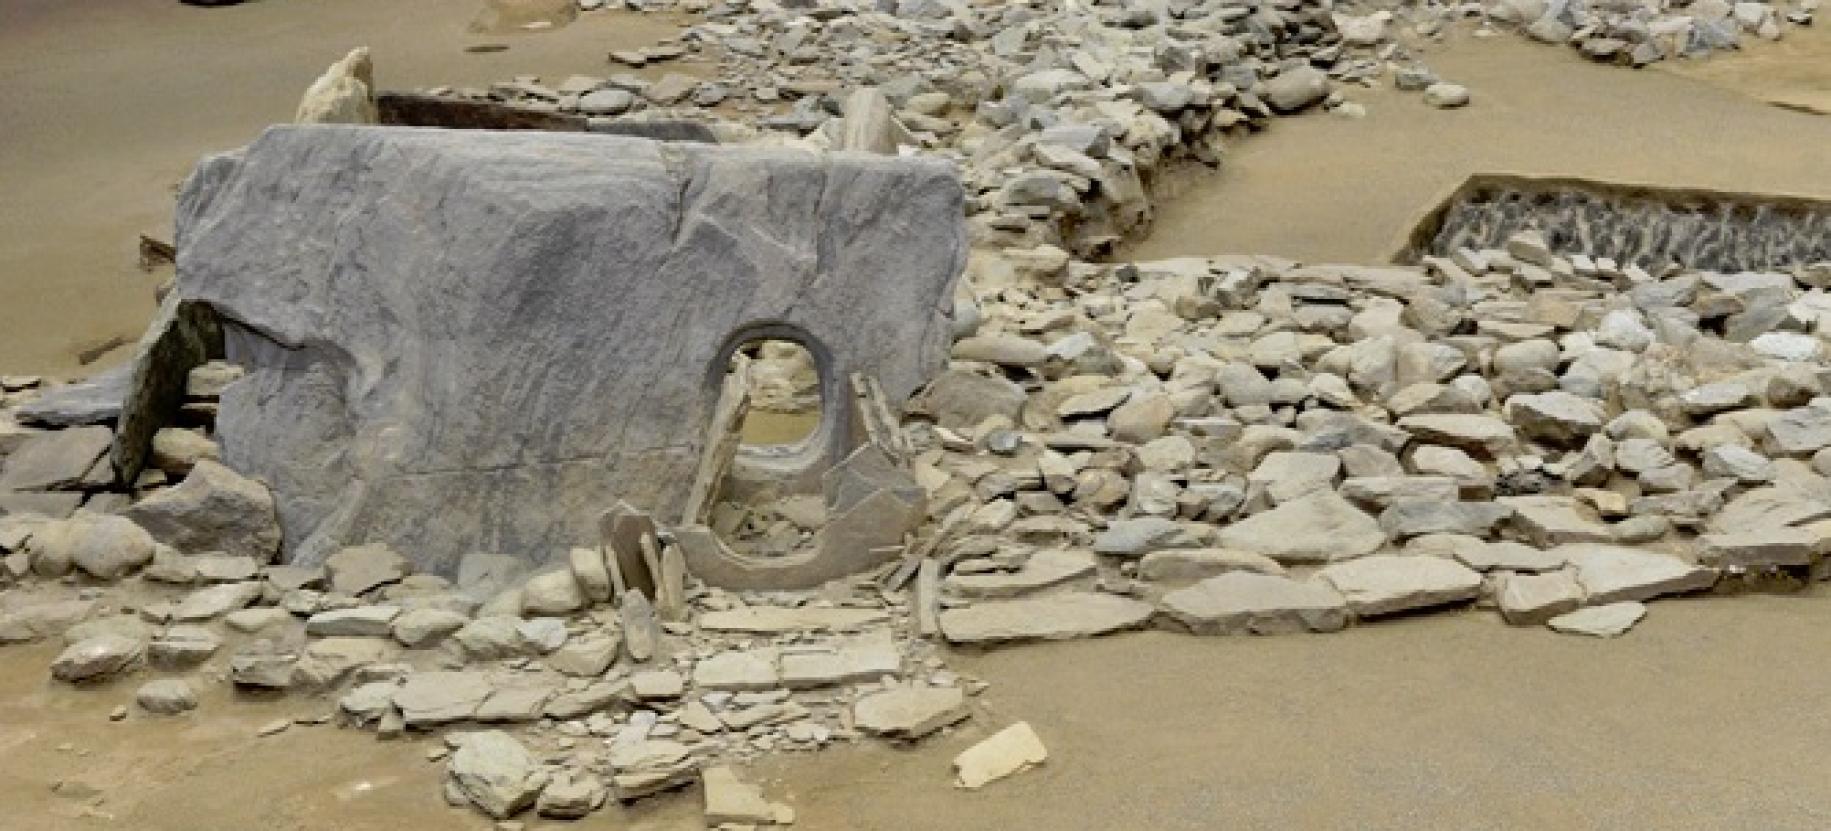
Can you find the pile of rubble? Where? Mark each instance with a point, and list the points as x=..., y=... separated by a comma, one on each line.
x=612, y=694
x=1640, y=34
x=1060, y=116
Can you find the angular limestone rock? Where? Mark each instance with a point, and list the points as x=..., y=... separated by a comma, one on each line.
x=1606, y=621
x=376, y=282
x=1044, y=568
x=1320, y=527
x=213, y=509
x=1240, y=603
x=1049, y=617
x=1611, y=573
x=1384, y=585
x=496, y=773
x=909, y=712
x=344, y=94
x=1010, y=751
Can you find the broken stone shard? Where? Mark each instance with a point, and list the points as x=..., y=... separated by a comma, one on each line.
x=909, y=712
x=1316, y=528
x=1010, y=751
x=1606, y=621
x=1386, y=584
x=365, y=350
x=213, y=509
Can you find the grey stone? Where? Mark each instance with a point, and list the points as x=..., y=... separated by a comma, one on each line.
x=1317, y=528
x=1239, y=603
x=166, y=697
x=95, y=400
x=213, y=602
x=1606, y=621
x=1189, y=564
x=554, y=592
x=358, y=569
x=1612, y=573
x=416, y=628
x=1047, y=617
x=909, y=712
x=700, y=229
x=569, y=797
x=1531, y=599
x=429, y=698
x=1295, y=89
x=496, y=773
x=96, y=658
x=1043, y=569
x=1762, y=548
x=213, y=509
x=738, y=670
x=104, y=547
x=356, y=622
x=54, y=459
x=1409, y=518
x=1446, y=96
x=1386, y=584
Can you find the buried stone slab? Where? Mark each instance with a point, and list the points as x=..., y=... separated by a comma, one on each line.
x=390, y=358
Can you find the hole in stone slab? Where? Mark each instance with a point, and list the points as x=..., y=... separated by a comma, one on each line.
x=785, y=394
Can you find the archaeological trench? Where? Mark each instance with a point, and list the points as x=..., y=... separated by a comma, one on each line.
x=442, y=423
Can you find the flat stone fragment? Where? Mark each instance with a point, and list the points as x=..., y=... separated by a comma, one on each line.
x=1320, y=527
x=1386, y=584
x=1530, y=599
x=852, y=660
x=96, y=658
x=1010, y=751
x=738, y=670
x=1183, y=564
x=215, y=601
x=732, y=801
x=1240, y=603
x=1555, y=520
x=54, y=459
x=357, y=622
x=910, y=712
x=428, y=698
x=1045, y=568
x=1048, y=617
x=360, y=568
x=1612, y=573
x=771, y=620
x=496, y=773
x=1605, y=621
x=1766, y=547
x=856, y=253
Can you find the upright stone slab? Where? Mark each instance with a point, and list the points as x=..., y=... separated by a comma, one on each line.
x=476, y=341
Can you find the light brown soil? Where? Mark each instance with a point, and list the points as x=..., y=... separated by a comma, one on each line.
x=107, y=104
x=1323, y=188
x=1709, y=715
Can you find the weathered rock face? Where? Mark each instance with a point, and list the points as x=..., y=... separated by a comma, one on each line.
x=510, y=331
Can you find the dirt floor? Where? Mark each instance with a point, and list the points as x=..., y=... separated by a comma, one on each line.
x=1710, y=715
x=1333, y=189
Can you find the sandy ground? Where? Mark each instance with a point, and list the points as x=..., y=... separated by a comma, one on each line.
x=1327, y=188
x=105, y=105
x=1710, y=715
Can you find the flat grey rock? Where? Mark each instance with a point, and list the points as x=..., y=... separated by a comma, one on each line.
x=909, y=712
x=1606, y=621
x=1048, y=617
x=95, y=400
x=96, y=658
x=1384, y=585
x=375, y=280
x=428, y=698
x=1241, y=603
x=54, y=459
x=1316, y=528
x=1047, y=567
x=1612, y=573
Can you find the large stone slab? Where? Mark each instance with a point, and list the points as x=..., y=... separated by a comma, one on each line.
x=1318, y=528
x=1049, y=617
x=1612, y=573
x=462, y=341
x=1241, y=602
x=1385, y=585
